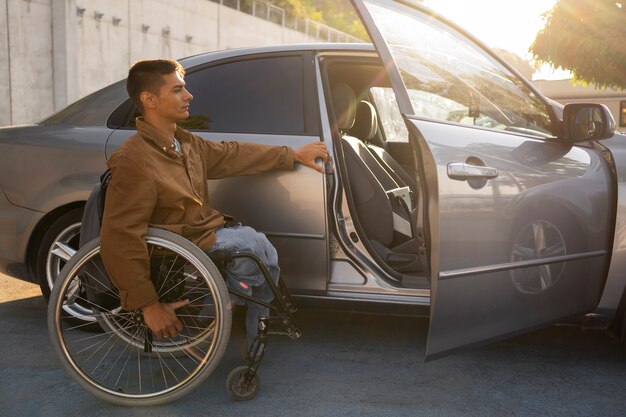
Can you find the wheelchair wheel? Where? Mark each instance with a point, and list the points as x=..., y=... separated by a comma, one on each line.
x=240, y=386
x=124, y=364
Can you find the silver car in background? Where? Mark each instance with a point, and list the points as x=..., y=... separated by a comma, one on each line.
x=454, y=184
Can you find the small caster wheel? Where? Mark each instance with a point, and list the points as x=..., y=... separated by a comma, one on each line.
x=236, y=385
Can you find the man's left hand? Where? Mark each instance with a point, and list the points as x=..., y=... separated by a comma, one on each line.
x=308, y=153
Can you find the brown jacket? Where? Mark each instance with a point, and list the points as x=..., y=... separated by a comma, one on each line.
x=153, y=184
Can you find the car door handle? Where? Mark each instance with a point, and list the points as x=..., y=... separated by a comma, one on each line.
x=463, y=171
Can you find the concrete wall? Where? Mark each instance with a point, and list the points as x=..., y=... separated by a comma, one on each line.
x=5, y=86
x=53, y=52
x=26, y=48
x=162, y=28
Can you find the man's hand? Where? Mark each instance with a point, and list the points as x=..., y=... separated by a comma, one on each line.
x=162, y=320
x=308, y=153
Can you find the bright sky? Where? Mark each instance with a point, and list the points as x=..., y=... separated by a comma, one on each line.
x=505, y=24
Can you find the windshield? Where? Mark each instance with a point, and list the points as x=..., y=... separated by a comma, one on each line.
x=450, y=78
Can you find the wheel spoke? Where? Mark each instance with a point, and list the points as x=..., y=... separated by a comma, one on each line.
x=545, y=276
x=109, y=291
x=556, y=250
x=523, y=252
x=539, y=235
x=538, y=239
x=63, y=251
x=73, y=292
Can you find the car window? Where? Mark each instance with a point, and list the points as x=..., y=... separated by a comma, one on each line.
x=389, y=114
x=450, y=78
x=263, y=95
x=92, y=110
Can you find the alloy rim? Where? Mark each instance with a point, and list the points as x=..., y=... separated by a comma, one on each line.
x=64, y=246
x=538, y=239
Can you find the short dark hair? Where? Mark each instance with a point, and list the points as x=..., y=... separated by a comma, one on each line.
x=147, y=75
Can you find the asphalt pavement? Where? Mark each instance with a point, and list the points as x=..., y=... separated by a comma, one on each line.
x=346, y=364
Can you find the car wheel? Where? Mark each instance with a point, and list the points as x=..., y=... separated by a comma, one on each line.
x=548, y=234
x=58, y=245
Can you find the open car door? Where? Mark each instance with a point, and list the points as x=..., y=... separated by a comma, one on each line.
x=516, y=222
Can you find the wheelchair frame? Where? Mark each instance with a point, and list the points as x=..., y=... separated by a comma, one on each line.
x=126, y=331
x=243, y=382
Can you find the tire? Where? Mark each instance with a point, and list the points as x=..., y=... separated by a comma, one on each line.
x=237, y=387
x=123, y=365
x=50, y=260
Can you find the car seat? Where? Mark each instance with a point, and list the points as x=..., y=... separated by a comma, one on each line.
x=383, y=207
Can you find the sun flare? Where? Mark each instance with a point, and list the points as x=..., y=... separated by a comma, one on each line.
x=501, y=24
x=508, y=25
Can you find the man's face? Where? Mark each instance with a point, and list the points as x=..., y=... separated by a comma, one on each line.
x=172, y=103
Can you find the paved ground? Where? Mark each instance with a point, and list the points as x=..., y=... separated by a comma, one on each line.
x=346, y=364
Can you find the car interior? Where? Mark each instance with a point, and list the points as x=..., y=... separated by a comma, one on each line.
x=381, y=188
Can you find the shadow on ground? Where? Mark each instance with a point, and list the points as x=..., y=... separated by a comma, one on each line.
x=347, y=364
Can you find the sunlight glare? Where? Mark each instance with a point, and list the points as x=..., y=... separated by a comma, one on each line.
x=14, y=289
x=509, y=25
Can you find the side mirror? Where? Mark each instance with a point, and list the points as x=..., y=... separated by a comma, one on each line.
x=587, y=121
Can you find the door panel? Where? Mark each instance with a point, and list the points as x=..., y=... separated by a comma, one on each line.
x=516, y=223
x=288, y=206
x=548, y=203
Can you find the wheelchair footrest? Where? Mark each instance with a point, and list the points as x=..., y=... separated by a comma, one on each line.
x=280, y=325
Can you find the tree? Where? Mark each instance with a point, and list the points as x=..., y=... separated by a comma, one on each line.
x=586, y=37
x=341, y=15
x=520, y=64
x=335, y=13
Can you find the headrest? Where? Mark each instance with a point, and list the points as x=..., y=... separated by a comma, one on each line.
x=344, y=104
x=366, y=124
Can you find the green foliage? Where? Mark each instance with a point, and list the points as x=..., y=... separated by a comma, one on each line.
x=341, y=15
x=586, y=37
x=338, y=14
x=299, y=8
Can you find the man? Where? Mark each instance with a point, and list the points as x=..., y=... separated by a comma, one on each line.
x=159, y=178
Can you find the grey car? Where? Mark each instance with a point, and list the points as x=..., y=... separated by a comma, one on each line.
x=453, y=183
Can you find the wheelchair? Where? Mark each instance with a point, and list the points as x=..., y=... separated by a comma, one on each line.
x=124, y=363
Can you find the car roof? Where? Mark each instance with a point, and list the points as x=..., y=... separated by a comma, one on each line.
x=203, y=58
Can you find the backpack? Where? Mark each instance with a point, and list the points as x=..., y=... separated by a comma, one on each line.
x=94, y=210
x=98, y=287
